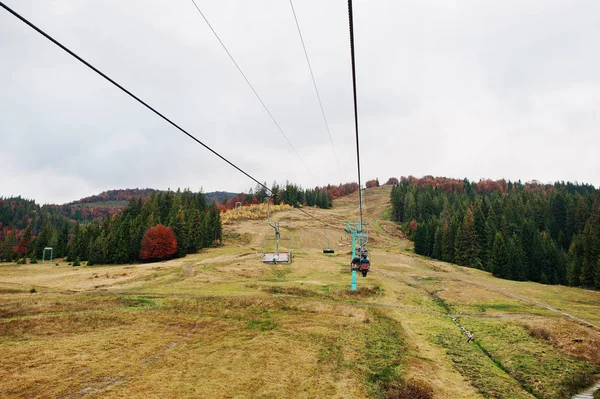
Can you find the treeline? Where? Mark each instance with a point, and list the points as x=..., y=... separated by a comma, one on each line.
x=116, y=195
x=543, y=233
x=21, y=220
x=372, y=183
x=118, y=238
x=113, y=202
x=292, y=194
x=88, y=212
x=99, y=206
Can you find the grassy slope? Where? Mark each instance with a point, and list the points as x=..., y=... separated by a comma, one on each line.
x=220, y=324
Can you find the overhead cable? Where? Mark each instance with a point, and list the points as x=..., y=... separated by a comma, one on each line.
x=77, y=57
x=351, y=23
x=253, y=90
x=47, y=36
x=315, y=85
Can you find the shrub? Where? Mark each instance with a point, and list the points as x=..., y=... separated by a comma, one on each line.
x=412, y=390
x=76, y=262
x=33, y=259
x=540, y=332
x=32, y=291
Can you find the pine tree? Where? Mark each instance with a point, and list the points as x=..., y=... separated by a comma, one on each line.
x=214, y=225
x=515, y=258
x=63, y=241
x=410, y=207
x=438, y=242
x=123, y=238
x=575, y=255
x=498, y=261
x=467, y=248
x=97, y=251
x=181, y=233
x=448, y=244
x=588, y=262
x=597, y=274
x=420, y=239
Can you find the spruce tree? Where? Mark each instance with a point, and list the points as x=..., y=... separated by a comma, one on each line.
x=498, y=261
x=438, y=241
x=420, y=239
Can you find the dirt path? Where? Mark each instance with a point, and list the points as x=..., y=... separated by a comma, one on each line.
x=589, y=394
x=531, y=301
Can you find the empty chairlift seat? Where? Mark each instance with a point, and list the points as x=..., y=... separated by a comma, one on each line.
x=272, y=257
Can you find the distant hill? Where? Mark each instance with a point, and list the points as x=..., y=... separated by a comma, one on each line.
x=118, y=198
x=113, y=202
x=219, y=196
x=115, y=195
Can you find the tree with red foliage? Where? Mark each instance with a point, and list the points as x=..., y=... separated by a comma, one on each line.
x=371, y=183
x=23, y=244
x=159, y=243
x=412, y=226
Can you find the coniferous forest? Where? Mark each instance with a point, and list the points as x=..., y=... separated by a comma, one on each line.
x=115, y=239
x=544, y=233
x=294, y=195
x=101, y=230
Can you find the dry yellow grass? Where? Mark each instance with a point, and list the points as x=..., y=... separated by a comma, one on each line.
x=220, y=324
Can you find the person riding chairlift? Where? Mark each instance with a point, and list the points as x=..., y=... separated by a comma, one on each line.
x=365, y=265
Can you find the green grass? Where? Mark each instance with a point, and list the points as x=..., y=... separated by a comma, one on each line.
x=385, y=347
x=540, y=369
x=386, y=214
x=489, y=380
x=262, y=325
x=139, y=302
x=236, y=327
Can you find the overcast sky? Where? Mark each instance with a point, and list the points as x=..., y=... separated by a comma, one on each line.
x=466, y=88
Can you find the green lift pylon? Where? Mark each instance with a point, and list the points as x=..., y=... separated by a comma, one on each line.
x=353, y=228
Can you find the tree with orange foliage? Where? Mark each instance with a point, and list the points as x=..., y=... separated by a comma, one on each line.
x=158, y=243
x=371, y=183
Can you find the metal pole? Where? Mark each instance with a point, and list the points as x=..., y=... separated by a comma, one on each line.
x=277, y=239
x=274, y=225
x=353, y=285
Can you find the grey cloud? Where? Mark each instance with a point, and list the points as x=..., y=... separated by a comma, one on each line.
x=476, y=89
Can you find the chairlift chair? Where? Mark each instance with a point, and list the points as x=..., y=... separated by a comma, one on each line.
x=277, y=256
x=328, y=250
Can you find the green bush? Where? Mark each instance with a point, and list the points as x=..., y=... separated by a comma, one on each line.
x=76, y=262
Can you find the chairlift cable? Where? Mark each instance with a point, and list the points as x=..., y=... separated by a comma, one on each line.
x=351, y=23
x=106, y=77
x=254, y=90
x=316, y=89
x=63, y=47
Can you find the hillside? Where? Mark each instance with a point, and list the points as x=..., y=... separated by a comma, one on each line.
x=221, y=324
x=113, y=202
